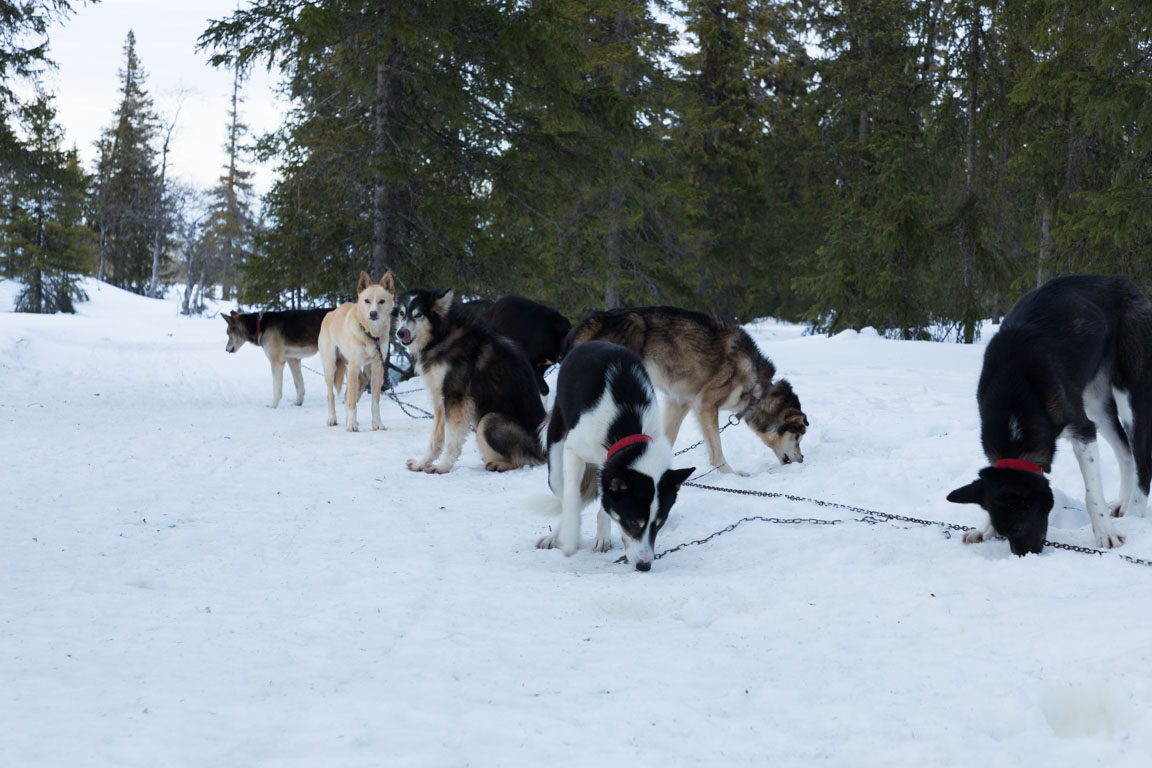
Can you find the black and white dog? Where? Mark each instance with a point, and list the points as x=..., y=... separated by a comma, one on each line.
x=1072, y=358
x=606, y=418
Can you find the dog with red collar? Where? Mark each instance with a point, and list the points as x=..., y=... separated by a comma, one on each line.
x=1073, y=359
x=606, y=421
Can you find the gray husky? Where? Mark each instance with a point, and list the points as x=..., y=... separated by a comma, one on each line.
x=286, y=337
x=706, y=365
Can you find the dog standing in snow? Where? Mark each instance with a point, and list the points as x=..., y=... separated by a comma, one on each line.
x=606, y=419
x=355, y=335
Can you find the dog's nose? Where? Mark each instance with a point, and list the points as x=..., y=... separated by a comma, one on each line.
x=643, y=566
x=372, y=314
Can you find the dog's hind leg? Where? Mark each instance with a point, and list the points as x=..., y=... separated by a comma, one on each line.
x=333, y=374
x=1139, y=429
x=1109, y=427
x=297, y=379
x=1088, y=457
x=505, y=445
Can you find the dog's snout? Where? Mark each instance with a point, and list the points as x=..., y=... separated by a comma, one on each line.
x=787, y=460
x=373, y=314
x=643, y=566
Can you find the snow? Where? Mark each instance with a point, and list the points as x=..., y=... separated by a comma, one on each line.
x=190, y=578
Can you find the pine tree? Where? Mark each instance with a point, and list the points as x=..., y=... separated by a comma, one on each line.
x=129, y=190
x=43, y=233
x=228, y=231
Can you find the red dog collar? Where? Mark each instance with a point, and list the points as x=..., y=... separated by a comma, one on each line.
x=1021, y=464
x=625, y=442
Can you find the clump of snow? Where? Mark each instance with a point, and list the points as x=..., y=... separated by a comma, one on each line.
x=192, y=578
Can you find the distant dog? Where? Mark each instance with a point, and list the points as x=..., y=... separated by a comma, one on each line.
x=475, y=378
x=285, y=337
x=1072, y=358
x=606, y=419
x=706, y=365
x=355, y=335
x=539, y=330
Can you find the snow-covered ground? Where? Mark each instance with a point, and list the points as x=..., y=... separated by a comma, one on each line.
x=189, y=578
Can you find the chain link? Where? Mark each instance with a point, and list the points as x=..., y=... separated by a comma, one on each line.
x=870, y=516
x=733, y=419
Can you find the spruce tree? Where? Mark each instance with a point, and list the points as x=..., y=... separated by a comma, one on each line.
x=228, y=231
x=43, y=234
x=128, y=179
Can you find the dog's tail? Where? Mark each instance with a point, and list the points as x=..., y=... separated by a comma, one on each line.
x=543, y=503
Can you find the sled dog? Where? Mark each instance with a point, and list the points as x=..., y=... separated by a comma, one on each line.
x=706, y=365
x=539, y=330
x=286, y=337
x=606, y=419
x=1073, y=358
x=474, y=377
x=354, y=336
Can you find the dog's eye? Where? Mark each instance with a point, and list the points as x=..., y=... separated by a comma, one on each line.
x=416, y=315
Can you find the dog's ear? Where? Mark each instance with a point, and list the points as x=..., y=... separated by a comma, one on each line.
x=678, y=476
x=973, y=493
x=444, y=302
x=617, y=486
x=365, y=281
x=388, y=282
x=795, y=417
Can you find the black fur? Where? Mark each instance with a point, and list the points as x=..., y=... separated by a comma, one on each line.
x=626, y=493
x=1053, y=343
x=298, y=327
x=539, y=330
x=482, y=369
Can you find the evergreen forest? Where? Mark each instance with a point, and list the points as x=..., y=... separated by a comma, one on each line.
x=911, y=165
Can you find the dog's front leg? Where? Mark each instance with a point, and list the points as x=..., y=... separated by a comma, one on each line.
x=277, y=382
x=1088, y=457
x=456, y=428
x=567, y=533
x=603, y=532
x=435, y=443
x=351, y=395
x=709, y=419
x=984, y=533
x=377, y=384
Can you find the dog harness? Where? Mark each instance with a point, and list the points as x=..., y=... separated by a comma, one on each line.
x=1020, y=464
x=624, y=442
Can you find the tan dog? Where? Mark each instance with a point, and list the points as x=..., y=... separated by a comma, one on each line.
x=355, y=335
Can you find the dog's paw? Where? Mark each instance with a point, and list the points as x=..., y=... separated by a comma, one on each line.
x=602, y=544
x=438, y=469
x=300, y=400
x=331, y=421
x=547, y=542
x=728, y=469
x=1108, y=539
x=499, y=466
x=415, y=465
x=978, y=535
x=378, y=427
x=353, y=427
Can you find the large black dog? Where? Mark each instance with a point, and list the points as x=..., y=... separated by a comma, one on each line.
x=539, y=330
x=1073, y=358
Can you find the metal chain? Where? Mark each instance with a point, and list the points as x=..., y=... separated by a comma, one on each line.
x=869, y=516
x=733, y=419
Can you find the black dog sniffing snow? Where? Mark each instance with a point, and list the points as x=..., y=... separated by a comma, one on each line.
x=1073, y=358
x=606, y=418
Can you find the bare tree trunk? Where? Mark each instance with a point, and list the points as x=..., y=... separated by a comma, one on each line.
x=385, y=223
x=1045, y=242
x=160, y=216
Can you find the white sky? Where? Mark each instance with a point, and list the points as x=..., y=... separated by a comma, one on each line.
x=88, y=50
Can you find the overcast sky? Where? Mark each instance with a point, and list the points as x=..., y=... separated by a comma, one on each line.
x=89, y=49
